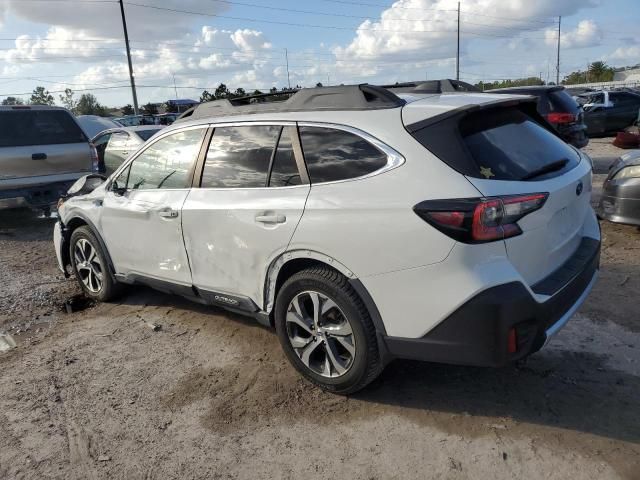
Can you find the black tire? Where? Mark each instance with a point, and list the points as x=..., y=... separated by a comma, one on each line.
x=365, y=364
x=109, y=288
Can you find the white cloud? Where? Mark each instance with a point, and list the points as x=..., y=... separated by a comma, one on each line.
x=419, y=31
x=59, y=43
x=626, y=54
x=103, y=20
x=586, y=34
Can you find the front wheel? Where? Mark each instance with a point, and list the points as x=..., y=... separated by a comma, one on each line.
x=326, y=331
x=90, y=266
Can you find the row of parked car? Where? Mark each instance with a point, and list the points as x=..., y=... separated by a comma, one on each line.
x=57, y=142
x=588, y=114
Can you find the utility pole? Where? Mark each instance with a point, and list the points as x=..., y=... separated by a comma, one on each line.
x=286, y=56
x=126, y=42
x=558, y=58
x=458, y=48
x=174, y=85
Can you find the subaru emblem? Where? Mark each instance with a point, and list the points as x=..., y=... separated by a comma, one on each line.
x=579, y=188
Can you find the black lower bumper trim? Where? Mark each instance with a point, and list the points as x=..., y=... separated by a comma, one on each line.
x=477, y=332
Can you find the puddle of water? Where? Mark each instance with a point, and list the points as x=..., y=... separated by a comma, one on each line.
x=6, y=342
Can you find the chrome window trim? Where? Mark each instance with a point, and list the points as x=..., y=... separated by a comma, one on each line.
x=394, y=159
x=260, y=123
x=154, y=139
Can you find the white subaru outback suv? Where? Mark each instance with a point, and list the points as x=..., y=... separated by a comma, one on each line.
x=364, y=225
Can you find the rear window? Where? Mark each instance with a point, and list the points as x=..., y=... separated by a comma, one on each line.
x=561, y=101
x=506, y=144
x=20, y=128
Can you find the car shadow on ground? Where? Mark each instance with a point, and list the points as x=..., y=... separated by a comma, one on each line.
x=559, y=388
x=563, y=389
x=25, y=225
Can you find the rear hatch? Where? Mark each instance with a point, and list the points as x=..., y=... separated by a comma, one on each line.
x=39, y=143
x=506, y=150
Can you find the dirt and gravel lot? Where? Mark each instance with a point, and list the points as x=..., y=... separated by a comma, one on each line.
x=99, y=394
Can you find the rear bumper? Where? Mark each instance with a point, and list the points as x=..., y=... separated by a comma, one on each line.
x=477, y=333
x=35, y=197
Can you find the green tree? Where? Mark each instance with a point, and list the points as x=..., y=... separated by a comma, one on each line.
x=518, y=82
x=600, y=72
x=88, y=105
x=222, y=91
x=206, y=97
x=128, y=110
x=256, y=92
x=68, y=101
x=597, y=72
x=12, y=101
x=150, y=109
x=239, y=92
x=318, y=85
x=40, y=96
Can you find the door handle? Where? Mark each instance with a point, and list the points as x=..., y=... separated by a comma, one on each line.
x=39, y=156
x=168, y=213
x=271, y=218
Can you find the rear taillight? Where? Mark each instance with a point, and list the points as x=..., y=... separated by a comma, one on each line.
x=95, y=160
x=479, y=220
x=558, y=118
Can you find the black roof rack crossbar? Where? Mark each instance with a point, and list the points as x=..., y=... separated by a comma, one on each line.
x=433, y=86
x=343, y=97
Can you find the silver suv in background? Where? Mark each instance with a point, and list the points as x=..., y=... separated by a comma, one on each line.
x=43, y=151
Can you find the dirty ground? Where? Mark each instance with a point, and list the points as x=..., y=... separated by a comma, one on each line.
x=157, y=387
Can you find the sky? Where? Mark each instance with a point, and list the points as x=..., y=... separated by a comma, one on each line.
x=181, y=47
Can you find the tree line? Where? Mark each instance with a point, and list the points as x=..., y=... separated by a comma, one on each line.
x=86, y=104
x=596, y=72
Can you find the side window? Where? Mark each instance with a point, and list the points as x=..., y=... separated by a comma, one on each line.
x=626, y=99
x=118, y=141
x=284, y=172
x=238, y=157
x=121, y=180
x=333, y=154
x=166, y=163
x=101, y=145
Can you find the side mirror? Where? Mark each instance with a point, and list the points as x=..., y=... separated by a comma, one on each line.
x=118, y=190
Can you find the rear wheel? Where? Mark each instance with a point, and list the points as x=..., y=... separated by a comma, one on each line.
x=326, y=332
x=90, y=266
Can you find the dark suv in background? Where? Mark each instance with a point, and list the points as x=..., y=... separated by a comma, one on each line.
x=559, y=108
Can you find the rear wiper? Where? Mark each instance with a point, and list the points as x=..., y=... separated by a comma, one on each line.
x=551, y=167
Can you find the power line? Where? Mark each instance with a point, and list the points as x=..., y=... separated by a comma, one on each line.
x=275, y=22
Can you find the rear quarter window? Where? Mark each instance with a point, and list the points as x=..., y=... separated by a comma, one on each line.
x=38, y=127
x=333, y=155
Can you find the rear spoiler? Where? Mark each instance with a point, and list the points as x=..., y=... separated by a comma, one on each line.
x=474, y=107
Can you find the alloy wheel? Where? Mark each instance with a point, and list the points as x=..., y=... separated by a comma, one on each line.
x=320, y=334
x=88, y=265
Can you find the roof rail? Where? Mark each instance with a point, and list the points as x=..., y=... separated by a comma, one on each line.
x=433, y=86
x=343, y=97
